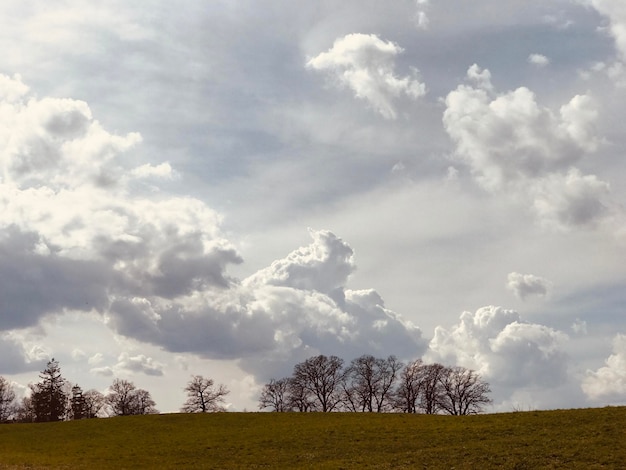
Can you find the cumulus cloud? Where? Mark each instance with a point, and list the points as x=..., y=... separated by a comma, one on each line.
x=571, y=199
x=163, y=170
x=525, y=285
x=323, y=265
x=16, y=357
x=56, y=143
x=514, y=145
x=129, y=365
x=298, y=305
x=539, y=60
x=75, y=237
x=616, y=13
x=365, y=64
x=508, y=352
x=608, y=383
x=508, y=137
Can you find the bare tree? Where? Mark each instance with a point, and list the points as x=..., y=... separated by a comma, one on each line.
x=25, y=411
x=300, y=397
x=143, y=403
x=94, y=402
x=125, y=399
x=464, y=392
x=203, y=396
x=7, y=400
x=409, y=387
x=275, y=395
x=386, y=374
x=369, y=383
x=321, y=376
x=431, y=392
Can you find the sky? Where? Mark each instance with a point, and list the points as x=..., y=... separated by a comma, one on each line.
x=226, y=188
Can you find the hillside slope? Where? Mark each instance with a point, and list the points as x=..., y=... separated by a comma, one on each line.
x=586, y=438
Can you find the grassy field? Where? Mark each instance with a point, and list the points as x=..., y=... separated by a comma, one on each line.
x=586, y=439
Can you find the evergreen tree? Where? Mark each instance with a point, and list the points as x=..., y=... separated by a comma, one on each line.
x=49, y=401
x=78, y=404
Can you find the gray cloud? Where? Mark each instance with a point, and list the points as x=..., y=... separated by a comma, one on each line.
x=298, y=305
x=525, y=285
x=14, y=358
x=33, y=284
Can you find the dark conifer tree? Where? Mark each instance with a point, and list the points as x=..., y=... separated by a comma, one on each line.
x=49, y=401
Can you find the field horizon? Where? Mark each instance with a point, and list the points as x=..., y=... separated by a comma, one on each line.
x=577, y=438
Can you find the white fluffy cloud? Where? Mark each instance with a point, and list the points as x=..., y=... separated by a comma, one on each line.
x=513, y=145
x=324, y=265
x=365, y=64
x=509, y=137
x=539, y=60
x=129, y=365
x=75, y=237
x=524, y=285
x=298, y=305
x=608, y=383
x=615, y=10
x=508, y=352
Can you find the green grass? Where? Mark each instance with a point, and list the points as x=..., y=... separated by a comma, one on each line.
x=586, y=439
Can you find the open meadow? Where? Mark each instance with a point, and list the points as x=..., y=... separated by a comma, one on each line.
x=582, y=438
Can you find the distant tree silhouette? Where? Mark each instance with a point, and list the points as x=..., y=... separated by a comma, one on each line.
x=431, y=391
x=125, y=399
x=321, y=377
x=368, y=383
x=371, y=384
x=409, y=387
x=7, y=400
x=275, y=395
x=78, y=407
x=463, y=391
x=25, y=412
x=203, y=396
x=48, y=398
x=94, y=402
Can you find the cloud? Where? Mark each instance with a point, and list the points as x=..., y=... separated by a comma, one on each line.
x=129, y=365
x=33, y=284
x=572, y=199
x=508, y=352
x=515, y=146
x=616, y=13
x=76, y=237
x=421, y=16
x=15, y=357
x=139, y=363
x=608, y=384
x=55, y=142
x=365, y=64
x=509, y=137
x=12, y=89
x=524, y=285
x=324, y=265
x=298, y=305
x=163, y=170
x=539, y=60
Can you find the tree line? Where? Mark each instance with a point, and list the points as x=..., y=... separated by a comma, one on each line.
x=370, y=384
x=54, y=398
